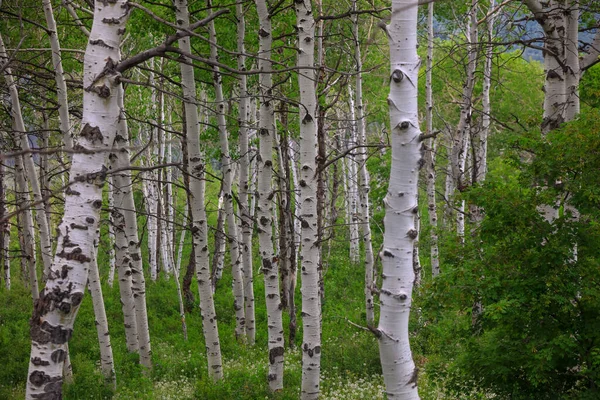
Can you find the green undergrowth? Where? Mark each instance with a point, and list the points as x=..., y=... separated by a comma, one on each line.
x=350, y=356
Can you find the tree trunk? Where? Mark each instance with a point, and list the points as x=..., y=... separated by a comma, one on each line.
x=4, y=230
x=266, y=133
x=28, y=255
x=245, y=221
x=111, y=234
x=107, y=365
x=55, y=311
x=430, y=149
x=309, y=253
x=399, y=371
x=197, y=190
x=61, y=84
x=29, y=167
x=138, y=283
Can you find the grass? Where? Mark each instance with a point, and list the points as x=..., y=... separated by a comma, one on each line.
x=350, y=357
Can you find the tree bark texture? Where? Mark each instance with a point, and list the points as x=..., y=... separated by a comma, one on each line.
x=399, y=371
x=55, y=311
x=309, y=253
x=197, y=190
x=265, y=195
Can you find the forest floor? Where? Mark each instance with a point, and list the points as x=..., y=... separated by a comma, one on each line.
x=350, y=356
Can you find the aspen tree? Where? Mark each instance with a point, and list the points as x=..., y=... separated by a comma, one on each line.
x=352, y=188
x=55, y=311
x=461, y=139
x=112, y=263
x=151, y=185
x=123, y=258
x=364, y=187
x=123, y=183
x=246, y=222
x=107, y=365
x=309, y=253
x=4, y=230
x=264, y=211
x=61, y=84
x=28, y=255
x=28, y=164
x=227, y=165
x=480, y=163
x=430, y=148
x=399, y=371
x=198, y=211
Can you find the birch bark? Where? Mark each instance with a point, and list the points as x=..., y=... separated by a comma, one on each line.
x=138, y=283
x=364, y=187
x=61, y=84
x=55, y=311
x=227, y=165
x=246, y=221
x=199, y=224
x=26, y=220
x=399, y=371
x=309, y=253
x=23, y=140
x=107, y=364
x=430, y=150
x=264, y=211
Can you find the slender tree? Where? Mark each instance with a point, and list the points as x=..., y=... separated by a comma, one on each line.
x=399, y=371
x=198, y=211
x=265, y=195
x=309, y=253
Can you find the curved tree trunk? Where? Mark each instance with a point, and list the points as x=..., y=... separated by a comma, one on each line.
x=55, y=311
x=399, y=371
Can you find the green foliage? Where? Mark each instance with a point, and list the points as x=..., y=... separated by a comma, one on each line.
x=537, y=282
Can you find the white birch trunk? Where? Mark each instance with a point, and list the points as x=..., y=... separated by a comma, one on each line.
x=352, y=182
x=55, y=311
x=481, y=162
x=246, y=220
x=364, y=187
x=309, y=254
x=138, y=283
x=227, y=166
x=61, y=84
x=264, y=212
x=430, y=150
x=6, y=256
x=399, y=371
x=123, y=258
x=185, y=224
x=573, y=73
x=111, y=234
x=22, y=139
x=151, y=186
x=199, y=223
x=28, y=247
x=218, y=261
x=107, y=365
x=4, y=229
